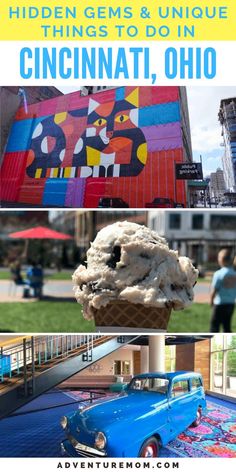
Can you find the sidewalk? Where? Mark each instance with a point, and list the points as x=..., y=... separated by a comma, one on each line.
x=63, y=289
x=52, y=288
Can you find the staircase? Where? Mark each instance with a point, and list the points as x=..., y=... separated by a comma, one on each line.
x=44, y=362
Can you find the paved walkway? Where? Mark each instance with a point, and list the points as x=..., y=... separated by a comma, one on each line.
x=202, y=292
x=63, y=289
x=9, y=292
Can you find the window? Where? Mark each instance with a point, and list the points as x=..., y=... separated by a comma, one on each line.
x=217, y=343
x=121, y=367
x=231, y=371
x=217, y=365
x=223, y=222
x=174, y=221
x=170, y=359
x=179, y=388
x=196, y=383
x=150, y=384
x=197, y=221
x=223, y=364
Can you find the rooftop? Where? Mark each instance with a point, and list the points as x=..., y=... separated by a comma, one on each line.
x=168, y=375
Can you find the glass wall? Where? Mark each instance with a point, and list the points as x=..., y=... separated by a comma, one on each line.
x=223, y=364
x=170, y=358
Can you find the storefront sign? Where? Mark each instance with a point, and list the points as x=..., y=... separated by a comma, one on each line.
x=191, y=171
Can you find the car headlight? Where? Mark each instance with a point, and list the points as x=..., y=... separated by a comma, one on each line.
x=64, y=422
x=100, y=440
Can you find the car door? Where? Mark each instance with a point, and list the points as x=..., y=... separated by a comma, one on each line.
x=198, y=395
x=180, y=406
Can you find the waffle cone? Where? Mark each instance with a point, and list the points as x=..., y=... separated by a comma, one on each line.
x=132, y=315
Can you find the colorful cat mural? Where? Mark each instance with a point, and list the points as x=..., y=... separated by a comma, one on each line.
x=111, y=145
x=72, y=151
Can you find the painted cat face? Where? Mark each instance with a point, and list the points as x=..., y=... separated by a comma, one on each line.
x=101, y=141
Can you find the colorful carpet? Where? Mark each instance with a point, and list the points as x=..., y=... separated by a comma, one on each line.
x=215, y=437
x=35, y=429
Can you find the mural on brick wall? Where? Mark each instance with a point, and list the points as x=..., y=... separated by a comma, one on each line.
x=109, y=144
x=71, y=151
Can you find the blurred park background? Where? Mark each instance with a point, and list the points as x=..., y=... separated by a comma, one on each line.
x=56, y=253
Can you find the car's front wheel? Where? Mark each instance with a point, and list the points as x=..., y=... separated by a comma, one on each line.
x=198, y=419
x=150, y=448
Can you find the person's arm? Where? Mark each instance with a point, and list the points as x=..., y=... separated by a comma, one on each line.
x=212, y=295
x=215, y=285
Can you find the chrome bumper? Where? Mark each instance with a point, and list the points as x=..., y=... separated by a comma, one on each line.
x=83, y=450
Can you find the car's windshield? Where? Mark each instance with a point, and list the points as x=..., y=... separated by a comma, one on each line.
x=149, y=384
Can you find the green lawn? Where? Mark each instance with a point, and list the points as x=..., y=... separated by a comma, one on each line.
x=4, y=275
x=63, y=275
x=205, y=280
x=195, y=319
x=66, y=317
x=40, y=317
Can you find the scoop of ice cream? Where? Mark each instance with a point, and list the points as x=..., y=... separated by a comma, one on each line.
x=130, y=262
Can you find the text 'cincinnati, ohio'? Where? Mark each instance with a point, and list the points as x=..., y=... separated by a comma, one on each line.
x=120, y=63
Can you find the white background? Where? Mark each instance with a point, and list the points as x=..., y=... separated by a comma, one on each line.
x=51, y=465
x=226, y=63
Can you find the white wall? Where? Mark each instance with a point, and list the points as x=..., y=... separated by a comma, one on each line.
x=105, y=365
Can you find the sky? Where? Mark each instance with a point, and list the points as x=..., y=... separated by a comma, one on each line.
x=204, y=103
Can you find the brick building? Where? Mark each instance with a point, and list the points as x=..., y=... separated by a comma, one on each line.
x=11, y=99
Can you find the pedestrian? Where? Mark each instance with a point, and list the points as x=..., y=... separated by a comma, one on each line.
x=223, y=293
x=35, y=279
x=16, y=275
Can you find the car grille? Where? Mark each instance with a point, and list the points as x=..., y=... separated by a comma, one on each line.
x=83, y=450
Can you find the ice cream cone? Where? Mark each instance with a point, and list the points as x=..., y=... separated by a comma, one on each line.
x=129, y=267
x=131, y=315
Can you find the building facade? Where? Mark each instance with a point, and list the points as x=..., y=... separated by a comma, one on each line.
x=120, y=144
x=227, y=118
x=196, y=234
x=83, y=225
x=217, y=185
x=13, y=97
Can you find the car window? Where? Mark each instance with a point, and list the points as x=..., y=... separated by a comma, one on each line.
x=104, y=201
x=179, y=388
x=150, y=384
x=196, y=383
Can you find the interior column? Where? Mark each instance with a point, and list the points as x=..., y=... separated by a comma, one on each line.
x=157, y=353
x=144, y=359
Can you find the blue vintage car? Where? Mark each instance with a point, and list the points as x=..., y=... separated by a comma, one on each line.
x=153, y=410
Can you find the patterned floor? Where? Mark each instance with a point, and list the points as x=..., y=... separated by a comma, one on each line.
x=215, y=437
x=35, y=431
